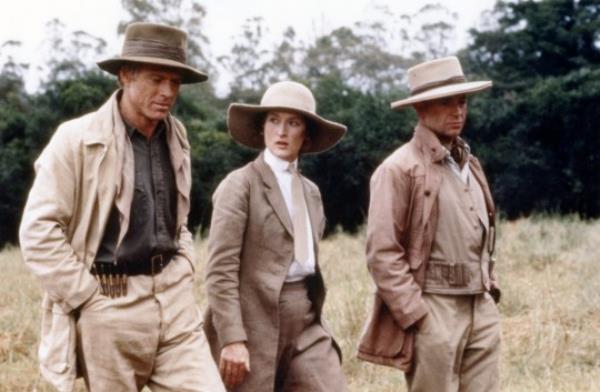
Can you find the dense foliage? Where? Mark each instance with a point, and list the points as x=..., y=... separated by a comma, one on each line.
x=535, y=131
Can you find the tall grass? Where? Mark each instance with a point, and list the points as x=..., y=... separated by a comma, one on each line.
x=550, y=274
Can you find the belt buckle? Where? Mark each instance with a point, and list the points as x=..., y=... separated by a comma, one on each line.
x=156, y=261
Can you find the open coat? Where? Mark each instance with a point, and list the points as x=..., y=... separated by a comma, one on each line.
x=250, y=249
x=84, y=170
x=402, y=223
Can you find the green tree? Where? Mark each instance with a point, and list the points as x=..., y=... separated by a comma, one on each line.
x=536, y=130
x=536, y=39
x=14, y=108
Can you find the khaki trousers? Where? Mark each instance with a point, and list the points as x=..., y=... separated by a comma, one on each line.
x=151, y=337
x=457, y=346
x=306, y=357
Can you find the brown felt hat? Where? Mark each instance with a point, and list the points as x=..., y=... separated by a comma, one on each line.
x=436, y=79
x=155, y=44
x=245, y=125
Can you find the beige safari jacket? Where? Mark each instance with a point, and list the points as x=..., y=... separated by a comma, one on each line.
x=401, y=224
x=85, y=168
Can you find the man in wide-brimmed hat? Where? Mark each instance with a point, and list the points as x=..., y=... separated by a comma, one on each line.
x=105, y=231
x=264, y=287
x=430, y=240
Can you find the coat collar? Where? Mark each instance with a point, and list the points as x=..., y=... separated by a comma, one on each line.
x=273, y=193
x=429, y=144
x=104, y=123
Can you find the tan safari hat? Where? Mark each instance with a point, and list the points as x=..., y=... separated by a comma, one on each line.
x=245, y=121
x=438, y=79
x=156, y=44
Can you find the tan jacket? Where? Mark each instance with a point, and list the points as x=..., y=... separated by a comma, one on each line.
x=85, y=168
x=250, y=249
x=401, y=225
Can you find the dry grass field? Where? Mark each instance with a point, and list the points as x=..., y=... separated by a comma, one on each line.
x=550, y=274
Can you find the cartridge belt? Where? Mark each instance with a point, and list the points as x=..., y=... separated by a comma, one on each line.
x=113, y=277
x=454, y=275
x=153, y=266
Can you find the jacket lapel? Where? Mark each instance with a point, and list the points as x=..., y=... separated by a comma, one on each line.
x=313, y=202
x=477, y=172
x=273, y=193
x=179, y=152
x=433, y=151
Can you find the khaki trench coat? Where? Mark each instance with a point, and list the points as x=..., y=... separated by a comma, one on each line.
x=401, y=225
x=85, y=168
x=250, y=249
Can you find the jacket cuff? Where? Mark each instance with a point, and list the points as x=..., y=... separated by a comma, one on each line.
x=232, y=334
x=408, y=320
x=77, y=300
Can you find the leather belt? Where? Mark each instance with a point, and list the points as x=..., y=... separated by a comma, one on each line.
x=154, y=266
x=113, y=277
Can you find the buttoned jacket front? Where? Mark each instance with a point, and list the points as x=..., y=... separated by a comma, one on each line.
x=250, y=249
x=86, y=168
x=401, y=226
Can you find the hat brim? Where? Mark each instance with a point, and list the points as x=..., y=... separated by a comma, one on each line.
x=245, y=127
x=442, y=92
x=188, y=74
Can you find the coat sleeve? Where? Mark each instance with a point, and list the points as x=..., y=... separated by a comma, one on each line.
x=225, y=242
x=43, y=232
x=387, y=230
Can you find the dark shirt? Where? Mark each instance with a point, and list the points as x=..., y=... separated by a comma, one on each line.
x=152, y=222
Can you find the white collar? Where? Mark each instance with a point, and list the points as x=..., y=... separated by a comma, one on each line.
x=276, y=163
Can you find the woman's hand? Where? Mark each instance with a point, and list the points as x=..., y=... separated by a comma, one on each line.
x=234, y=364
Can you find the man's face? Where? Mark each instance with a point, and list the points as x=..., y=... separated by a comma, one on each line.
x=150, y=91
x=445, y=116
x=284, y=134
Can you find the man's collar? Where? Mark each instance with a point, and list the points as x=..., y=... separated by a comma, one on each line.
x=276, y=163
x=131, y=130
x=432, y=146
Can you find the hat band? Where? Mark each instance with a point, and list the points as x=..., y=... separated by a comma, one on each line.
x=439, y=83
x=149, y=48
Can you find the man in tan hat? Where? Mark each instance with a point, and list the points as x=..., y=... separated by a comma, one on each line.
x=430, y=239
x=105, y=231
x=265, y=290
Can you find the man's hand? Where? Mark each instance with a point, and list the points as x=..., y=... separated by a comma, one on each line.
x=234, y=364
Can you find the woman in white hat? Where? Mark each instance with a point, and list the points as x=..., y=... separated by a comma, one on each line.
x=264, y=286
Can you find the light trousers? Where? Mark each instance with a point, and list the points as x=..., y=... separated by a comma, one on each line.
x=306, y=358
x=151, y=337
x=457, y=346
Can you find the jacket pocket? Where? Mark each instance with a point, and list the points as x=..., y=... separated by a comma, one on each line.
x=382, y=336
x=57, y=339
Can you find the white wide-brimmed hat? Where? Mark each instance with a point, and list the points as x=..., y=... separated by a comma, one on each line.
x=245, y=121
x=150, y=43
x=438, y=79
